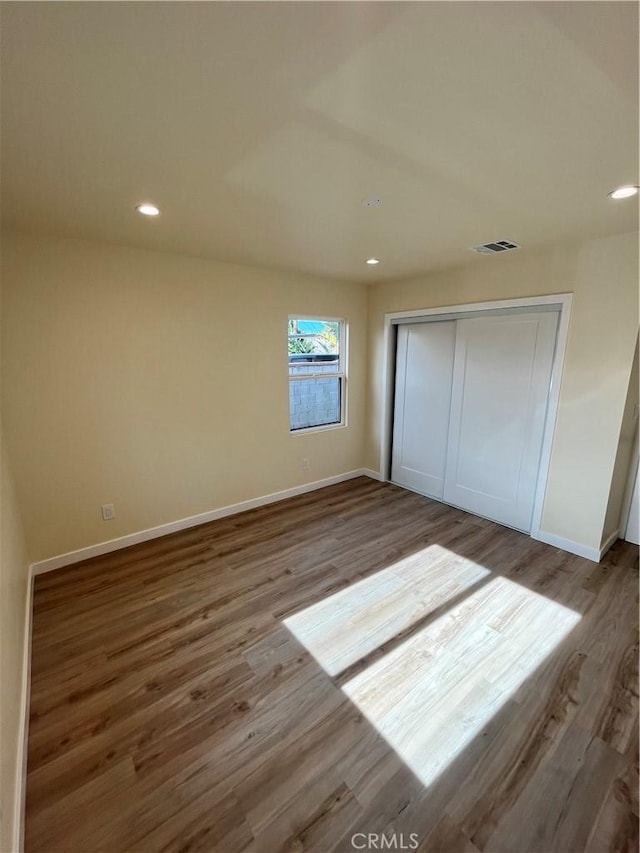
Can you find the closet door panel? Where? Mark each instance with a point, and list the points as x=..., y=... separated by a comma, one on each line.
x=498, y=406
x=632, y=533
x=424, y=371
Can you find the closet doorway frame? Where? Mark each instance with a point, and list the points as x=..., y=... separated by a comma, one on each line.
x=560, y=301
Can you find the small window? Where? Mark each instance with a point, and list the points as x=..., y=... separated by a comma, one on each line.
x=316, y=373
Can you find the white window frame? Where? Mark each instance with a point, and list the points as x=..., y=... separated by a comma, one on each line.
x=341, y=375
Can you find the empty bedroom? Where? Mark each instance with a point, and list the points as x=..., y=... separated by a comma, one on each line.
x=319, y=402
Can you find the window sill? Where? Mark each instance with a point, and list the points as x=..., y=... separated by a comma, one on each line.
x=325, y=428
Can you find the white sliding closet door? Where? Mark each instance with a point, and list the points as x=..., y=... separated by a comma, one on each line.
x=498, y=409
x=632, y=532
x=424, y=371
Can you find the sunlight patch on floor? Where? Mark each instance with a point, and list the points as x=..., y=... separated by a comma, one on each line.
x=433, y=693
x=345, y=627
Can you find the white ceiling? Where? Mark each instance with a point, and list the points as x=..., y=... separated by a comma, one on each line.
x=258, y=128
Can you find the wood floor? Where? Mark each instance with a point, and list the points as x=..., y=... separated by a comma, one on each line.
x=315, y=674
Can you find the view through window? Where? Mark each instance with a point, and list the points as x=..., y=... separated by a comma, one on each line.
x=316, y=372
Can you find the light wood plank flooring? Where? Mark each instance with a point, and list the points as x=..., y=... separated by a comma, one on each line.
x=312, y=675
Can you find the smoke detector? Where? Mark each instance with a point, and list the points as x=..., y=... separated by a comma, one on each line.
x=495, y=247
x=372, y=201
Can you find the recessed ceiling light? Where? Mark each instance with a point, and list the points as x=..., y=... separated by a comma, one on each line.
x=147, y=209
x=373, y=261
x=624, y=192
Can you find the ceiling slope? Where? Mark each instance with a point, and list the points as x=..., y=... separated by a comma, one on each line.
x=259, y=128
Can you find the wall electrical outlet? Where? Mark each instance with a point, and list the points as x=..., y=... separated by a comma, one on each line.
x=304, y=464
x=108, y=512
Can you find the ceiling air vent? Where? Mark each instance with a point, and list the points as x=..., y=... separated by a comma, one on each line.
x=493, y=248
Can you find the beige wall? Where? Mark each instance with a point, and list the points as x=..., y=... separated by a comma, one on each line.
x=157, y=382
x=13, y=591
x=603, y=276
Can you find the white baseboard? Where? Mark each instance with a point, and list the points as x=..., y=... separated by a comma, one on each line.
x=58, y=562
x=101, y=548
x=577, y=548
x=609, y=542
x=594, y=554
x=374, y=475
x=72, y=557
x=23, y=722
